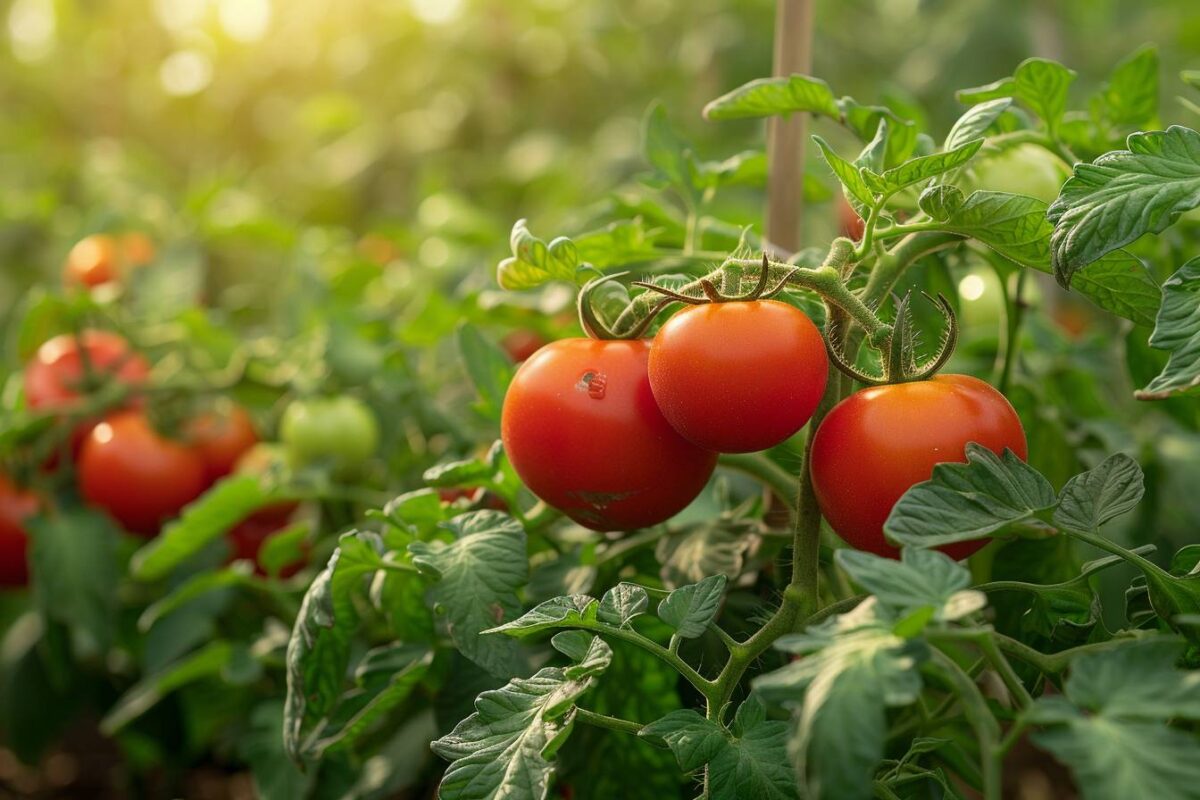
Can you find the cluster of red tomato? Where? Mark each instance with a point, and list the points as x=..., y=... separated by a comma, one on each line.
x=622, y=434
x=123, y=465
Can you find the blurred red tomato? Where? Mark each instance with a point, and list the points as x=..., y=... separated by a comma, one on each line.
x=246, y=540
x=522, y=343
x=137, y=475
x=16, y=505
x=56, y=375
x=221, y=437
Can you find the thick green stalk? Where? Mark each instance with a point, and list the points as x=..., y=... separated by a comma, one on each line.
x=979, y=717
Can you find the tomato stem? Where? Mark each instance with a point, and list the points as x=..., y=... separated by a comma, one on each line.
x=605, y=721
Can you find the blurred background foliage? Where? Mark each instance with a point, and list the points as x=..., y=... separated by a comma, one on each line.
x=256, y=134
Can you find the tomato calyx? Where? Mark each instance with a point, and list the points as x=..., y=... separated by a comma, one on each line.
x=897, y=343
x=712, y=294
x=595, y=328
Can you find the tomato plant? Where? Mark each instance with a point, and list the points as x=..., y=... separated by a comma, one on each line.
x=835, y=438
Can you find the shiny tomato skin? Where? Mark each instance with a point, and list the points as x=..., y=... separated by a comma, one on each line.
x=16, y=505
x=221, y=437
x=137, y=475
x=877, y=443
x=738, y=377
x=581, y=428
x=54, y=377
x=94, y=261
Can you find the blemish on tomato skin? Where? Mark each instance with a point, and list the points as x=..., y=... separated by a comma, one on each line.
x=594, y=383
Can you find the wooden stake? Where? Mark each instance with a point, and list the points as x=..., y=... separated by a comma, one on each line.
x=787, y=138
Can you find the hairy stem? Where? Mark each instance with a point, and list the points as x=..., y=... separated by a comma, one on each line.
x=979, y=717
x=605, y=721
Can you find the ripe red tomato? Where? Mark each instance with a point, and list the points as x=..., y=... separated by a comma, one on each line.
x=221, y=437
x=850, y=224
x=56, y=376
x=877, y=443
x=16, y=506
x=246, y=540
x=522, y=343
x=581, y=428
x=738, y=377
x=93, y=261
x=137, y=475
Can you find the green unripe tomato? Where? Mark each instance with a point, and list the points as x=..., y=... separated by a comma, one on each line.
x=340, y=430
x=1027, y=169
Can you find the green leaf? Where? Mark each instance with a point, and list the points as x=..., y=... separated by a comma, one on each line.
x=575, y=611
x=230, y=501
x=748, y=168
x=489, y=369
x=1037, y=82
x=920, y=579
x=481, y=471
x=533, y=262
x=284, y=548
x=1123, y=195
x=236, y=574
x=767, y=97
x=751, y=766
x=960, y=502
x=1093, y=498
x=975, y=122
x=864, y=121
x=857, y=191
x=1015, y=226
x=1131, y=759
x=611, y=765
x=476, y=581
x=666, y=151
x=712, y=547
x=1110, y=728
x=319, y=649
x=622, y=603
x=1130, y=97
x=1177, y=331
x=358, y=712
x=690, y=609
x=276, y=776
x=1191, y=77
x=206, y=662
x=591, y=653
x=854, y=667
x=920, y=169
x=941, y=201
x=76, y=573
x=505, y=750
